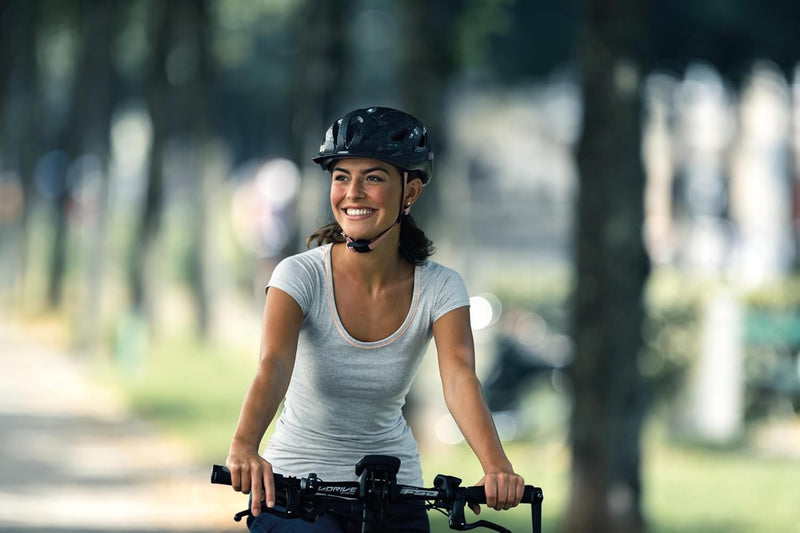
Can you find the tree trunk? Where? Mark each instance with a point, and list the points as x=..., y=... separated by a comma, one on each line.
x=194, y=108
x=70, y=138
x=102, y=23
x=316, y=78
x=605, y=491
x=316, y=73
x=426, y=64
x=20, y=128
x=156, y=90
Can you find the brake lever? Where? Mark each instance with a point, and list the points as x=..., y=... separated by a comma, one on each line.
x=486, y=524
x=285, y=507
x=458, y=521
x=241, y=514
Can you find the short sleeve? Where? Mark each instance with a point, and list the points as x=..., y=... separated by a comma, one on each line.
x=450, y=290
x=295, y=277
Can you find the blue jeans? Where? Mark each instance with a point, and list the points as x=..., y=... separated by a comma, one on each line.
x=406, y=517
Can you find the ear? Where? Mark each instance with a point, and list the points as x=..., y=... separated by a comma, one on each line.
x=412, y=191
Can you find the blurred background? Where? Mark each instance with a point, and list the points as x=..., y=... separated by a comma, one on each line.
x=616, y=181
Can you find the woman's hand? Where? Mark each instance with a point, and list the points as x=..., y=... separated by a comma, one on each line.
x=251, y=473
x=503, y=490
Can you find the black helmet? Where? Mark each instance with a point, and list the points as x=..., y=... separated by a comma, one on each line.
x=379, y=133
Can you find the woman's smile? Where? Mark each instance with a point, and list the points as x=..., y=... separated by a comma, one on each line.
x=358, y=212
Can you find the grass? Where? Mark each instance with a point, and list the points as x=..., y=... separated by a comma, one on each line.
x=194, y=391
x=191, y=390
x=712, y=490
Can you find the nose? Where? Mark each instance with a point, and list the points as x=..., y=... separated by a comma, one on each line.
x=356, y=189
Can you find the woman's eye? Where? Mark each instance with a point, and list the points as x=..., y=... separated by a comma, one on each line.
x=375, y=178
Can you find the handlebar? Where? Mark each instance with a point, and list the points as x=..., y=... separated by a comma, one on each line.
x=309, y=497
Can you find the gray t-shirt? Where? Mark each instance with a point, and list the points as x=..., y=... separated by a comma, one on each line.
x=345, y=396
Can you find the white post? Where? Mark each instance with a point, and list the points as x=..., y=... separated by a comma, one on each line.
x=717, y=387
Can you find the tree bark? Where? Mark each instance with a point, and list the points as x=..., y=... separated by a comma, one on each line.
x=426, y=64
x=156, y=91
x=316, y=74
x=194, y=113
x=612, y=267
x=71, y=139
x=20, y=128
x=316, y=71
x=102, y=22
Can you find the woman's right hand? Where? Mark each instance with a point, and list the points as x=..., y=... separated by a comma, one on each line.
x=251, y=473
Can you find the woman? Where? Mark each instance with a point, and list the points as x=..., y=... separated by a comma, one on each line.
x=344, y=329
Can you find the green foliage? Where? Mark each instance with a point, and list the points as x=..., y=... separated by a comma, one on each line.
x=194, y=391
x=671, y=331
x=480, y=22
x=778, y=296
x=772, y=344
x=540, y=287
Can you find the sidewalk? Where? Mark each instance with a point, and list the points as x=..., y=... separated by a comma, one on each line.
x=73, y=458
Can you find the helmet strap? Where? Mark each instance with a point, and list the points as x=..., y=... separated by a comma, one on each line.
x=367, y=245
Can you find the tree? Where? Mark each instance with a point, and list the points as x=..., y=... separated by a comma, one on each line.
x=426, y=63
x=155, y=92
x=20, y=118
x=87, y=125
x=177, y=92
x=612, y=268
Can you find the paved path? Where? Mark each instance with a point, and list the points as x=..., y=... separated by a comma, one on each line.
x=73, y=458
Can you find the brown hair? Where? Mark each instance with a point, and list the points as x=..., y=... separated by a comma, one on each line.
x=415, y=247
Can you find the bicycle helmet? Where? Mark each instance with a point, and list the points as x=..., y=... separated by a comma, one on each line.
x=380, y=133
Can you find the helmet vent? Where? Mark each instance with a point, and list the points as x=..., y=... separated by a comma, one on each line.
x=353, y=130
x=400, y=135
x=334, y=131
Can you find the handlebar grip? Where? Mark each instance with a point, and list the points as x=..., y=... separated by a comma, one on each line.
x=220, y=475
x=530, y=494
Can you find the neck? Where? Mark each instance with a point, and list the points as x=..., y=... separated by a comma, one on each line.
x=378, y=267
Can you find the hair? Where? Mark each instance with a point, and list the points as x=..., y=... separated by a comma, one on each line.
x=415, y=247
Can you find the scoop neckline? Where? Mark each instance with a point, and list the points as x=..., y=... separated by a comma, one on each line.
x=334, y=311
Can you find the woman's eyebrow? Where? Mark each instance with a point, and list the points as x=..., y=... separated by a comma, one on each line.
x=365, y=171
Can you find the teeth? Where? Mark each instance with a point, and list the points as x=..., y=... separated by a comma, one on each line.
x=358, y=212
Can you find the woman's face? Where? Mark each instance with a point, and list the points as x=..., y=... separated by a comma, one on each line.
x=365, y=196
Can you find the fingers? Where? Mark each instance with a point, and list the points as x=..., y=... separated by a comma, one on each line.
x=253, y=475
x=268, y=482
x=503, y=490
x=263, y=487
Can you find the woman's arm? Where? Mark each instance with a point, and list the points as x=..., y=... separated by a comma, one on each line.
x=279, y=332
x=464, y=398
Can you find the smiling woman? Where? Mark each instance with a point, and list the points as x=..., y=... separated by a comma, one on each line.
x=345, y=327
x=366, y=195
x=392, y=140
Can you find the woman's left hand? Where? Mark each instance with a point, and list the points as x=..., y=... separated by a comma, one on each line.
x=503, y=490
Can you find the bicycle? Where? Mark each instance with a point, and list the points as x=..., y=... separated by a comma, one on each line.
x=309, y=497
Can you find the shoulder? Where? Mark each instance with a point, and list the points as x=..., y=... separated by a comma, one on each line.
x=442, y=287
x=309, y=265
x=302, y=276
x=313, y=259
x=436, y=271
x=313, y=255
